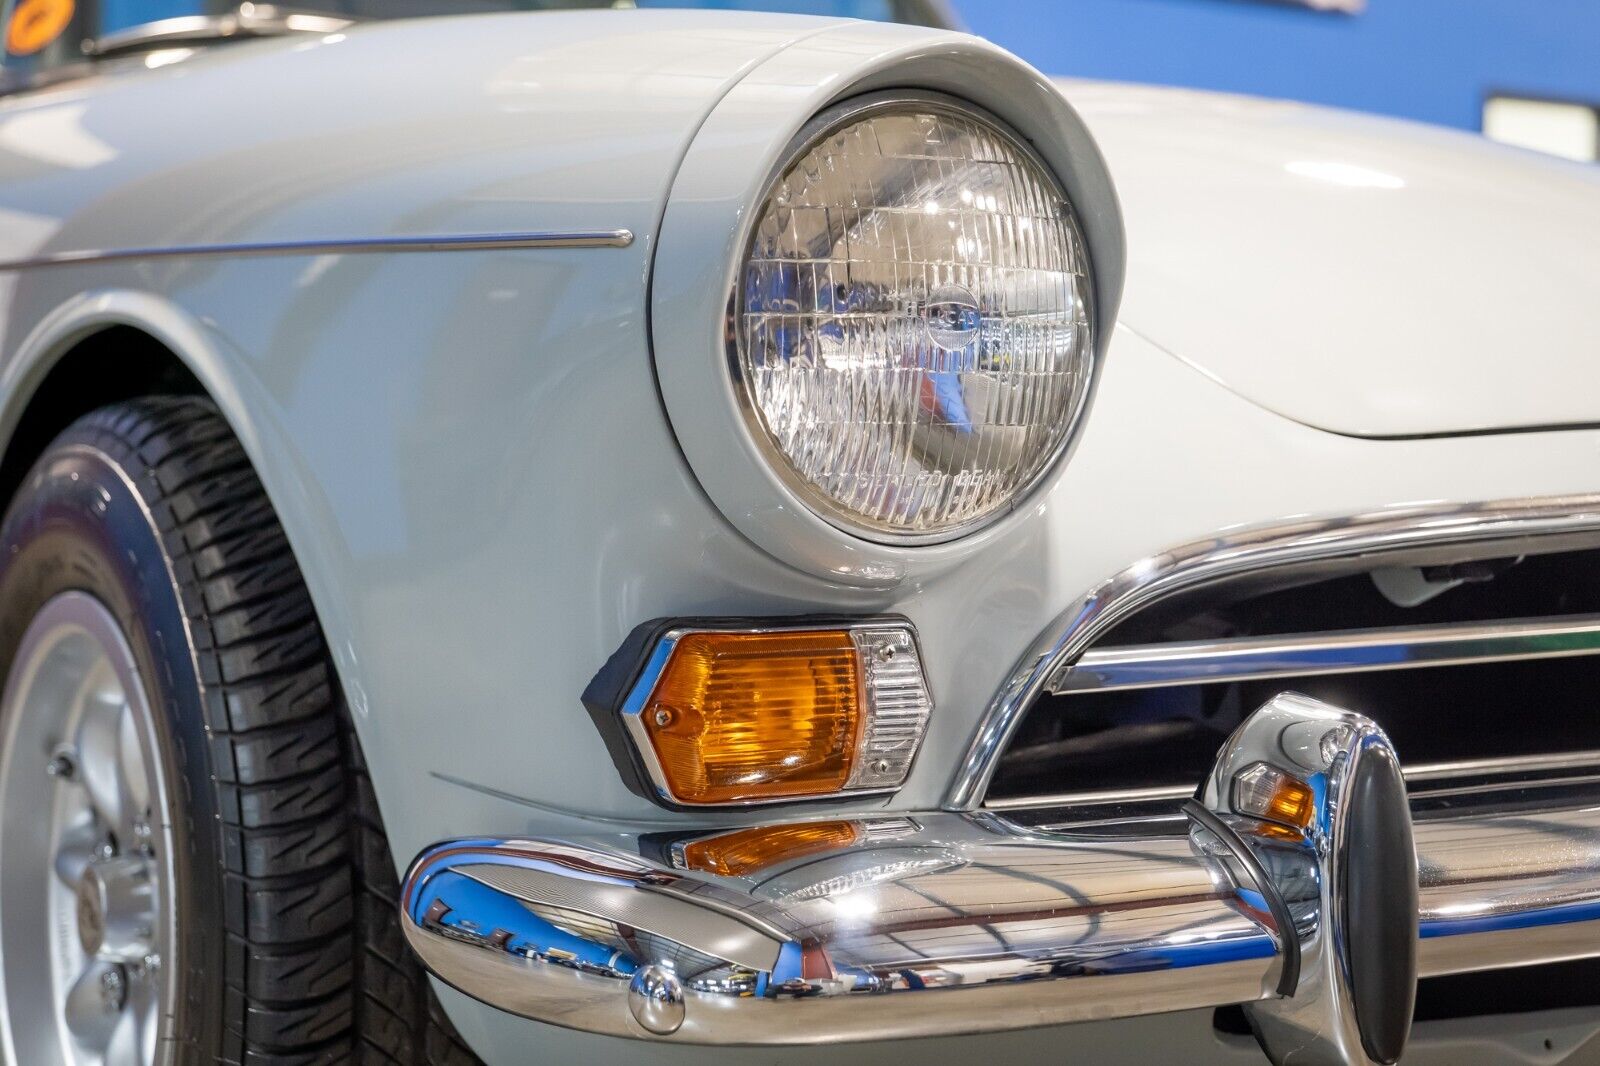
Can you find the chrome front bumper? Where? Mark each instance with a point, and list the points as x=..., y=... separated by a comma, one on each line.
x=1013, y=927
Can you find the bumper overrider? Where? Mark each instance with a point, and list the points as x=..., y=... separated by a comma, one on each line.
x=1296, y=885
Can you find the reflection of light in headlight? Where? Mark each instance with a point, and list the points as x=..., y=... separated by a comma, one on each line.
x=912, y=332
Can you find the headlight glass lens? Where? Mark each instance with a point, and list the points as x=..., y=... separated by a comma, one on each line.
x=911, y=329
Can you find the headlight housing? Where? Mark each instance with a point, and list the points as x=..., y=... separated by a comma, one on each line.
x=911, y=329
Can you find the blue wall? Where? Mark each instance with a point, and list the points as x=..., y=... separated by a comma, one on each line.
x=1433, y=60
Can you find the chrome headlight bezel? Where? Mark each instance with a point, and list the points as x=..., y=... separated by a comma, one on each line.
x=824, y=124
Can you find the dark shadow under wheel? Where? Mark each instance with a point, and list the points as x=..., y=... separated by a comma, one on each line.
x=211, y=854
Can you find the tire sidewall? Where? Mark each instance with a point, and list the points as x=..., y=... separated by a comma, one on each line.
x=79, y=523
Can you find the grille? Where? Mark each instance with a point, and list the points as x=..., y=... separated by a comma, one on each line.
x=1486, y=681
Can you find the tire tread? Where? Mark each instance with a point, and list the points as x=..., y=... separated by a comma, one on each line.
x=316, y=969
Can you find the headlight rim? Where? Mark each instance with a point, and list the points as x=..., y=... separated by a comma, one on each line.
x=837, y=115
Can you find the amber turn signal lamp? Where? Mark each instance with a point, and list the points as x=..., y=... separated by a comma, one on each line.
x=746, y=851
x=740, y=716
x=757, y=715
x=1266, y=792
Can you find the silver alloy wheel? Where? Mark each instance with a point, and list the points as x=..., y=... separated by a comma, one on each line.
x=87, y=903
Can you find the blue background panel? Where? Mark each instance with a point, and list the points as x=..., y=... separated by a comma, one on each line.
x=1433, y=60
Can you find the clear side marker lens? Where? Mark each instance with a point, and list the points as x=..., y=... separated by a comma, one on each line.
x=1266, y=792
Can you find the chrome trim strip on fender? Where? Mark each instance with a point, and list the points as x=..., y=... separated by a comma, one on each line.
x=463, y=242
x=1236, y=552
x=1348, y=652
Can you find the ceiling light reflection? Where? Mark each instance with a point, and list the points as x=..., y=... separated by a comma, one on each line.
x=1346, y=174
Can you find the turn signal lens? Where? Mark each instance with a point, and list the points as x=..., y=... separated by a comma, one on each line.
x=745, y=851
x=1266, y=792
x=742, y=716
x=761, y=714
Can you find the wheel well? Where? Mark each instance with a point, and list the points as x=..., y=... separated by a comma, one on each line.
x=112, y=364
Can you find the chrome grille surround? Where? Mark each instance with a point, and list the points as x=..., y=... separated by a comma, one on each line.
x=1496, y=528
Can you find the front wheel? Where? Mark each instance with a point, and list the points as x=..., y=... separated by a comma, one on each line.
x=192, y=869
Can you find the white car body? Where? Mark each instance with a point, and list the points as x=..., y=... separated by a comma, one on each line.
x=1323, y=315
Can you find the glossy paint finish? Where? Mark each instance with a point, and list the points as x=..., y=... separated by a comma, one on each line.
x=468, y=449
x=1367, y=276
x=402, y=129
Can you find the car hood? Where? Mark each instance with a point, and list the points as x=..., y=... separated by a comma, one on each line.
x=1362, y=275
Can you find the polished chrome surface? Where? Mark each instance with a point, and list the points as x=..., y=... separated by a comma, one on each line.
x=463, y=242
x=1354, y=651
x=1510, y=526
x=1502, y=891
x=1522, y=764
x=1561, y=767
x=898, y=705
x=87, y=904
x=1017, y=931
x=655, y=996
x=246, y=20
x=1317, y=1021
x=1013, y=926
x=1154, y=794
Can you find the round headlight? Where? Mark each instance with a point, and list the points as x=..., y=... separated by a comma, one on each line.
x=911, y=328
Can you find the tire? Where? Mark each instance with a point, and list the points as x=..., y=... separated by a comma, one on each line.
x=288, y=948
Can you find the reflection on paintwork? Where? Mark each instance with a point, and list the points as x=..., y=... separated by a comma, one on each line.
x=55, y=135
x=1346, y=174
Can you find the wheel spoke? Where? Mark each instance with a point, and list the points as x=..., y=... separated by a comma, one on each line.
x=135, y=780
x=91, y=1014
x=75, y=851
x=145, y=1005
x=99, y=744
x=126, y=1047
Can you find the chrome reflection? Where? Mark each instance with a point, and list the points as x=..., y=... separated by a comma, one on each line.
x=444, y=242
x=1016, y=927
x=1515, y=526
x=1329, y=825
x=962, y=903
x=1351, y=652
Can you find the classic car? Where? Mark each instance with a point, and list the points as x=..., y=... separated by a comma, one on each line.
x=732, y=537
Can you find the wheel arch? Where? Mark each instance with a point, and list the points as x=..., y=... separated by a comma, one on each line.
x=111, y=345
x=111, y=363
x=98, y=348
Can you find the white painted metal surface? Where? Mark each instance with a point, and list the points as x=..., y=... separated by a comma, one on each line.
x=1368, y=276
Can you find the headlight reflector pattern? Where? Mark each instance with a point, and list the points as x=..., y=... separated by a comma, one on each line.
x=911, y=327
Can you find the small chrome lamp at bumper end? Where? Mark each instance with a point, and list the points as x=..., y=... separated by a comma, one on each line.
x=1312, y=800
x=737, y=712
x=1295, y=889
